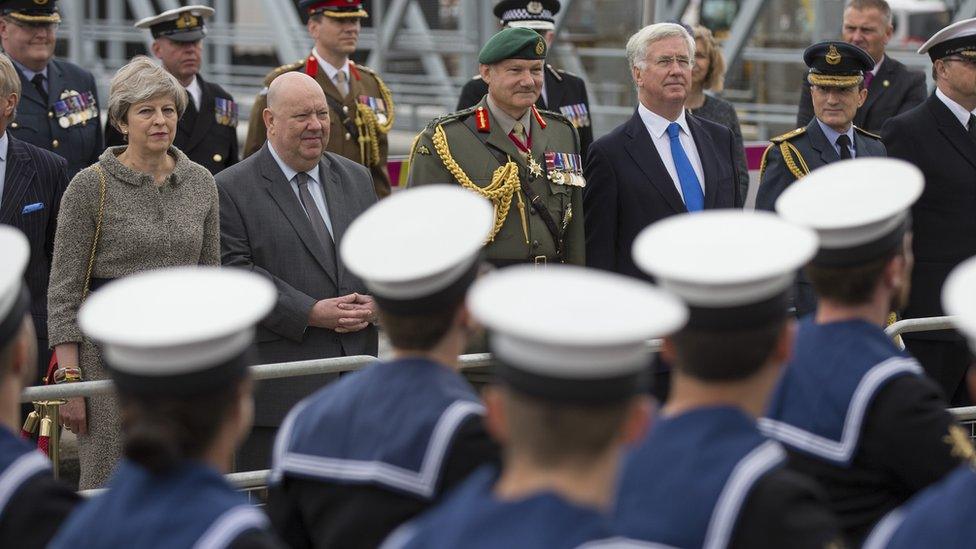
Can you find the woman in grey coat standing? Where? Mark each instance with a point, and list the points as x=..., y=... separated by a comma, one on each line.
x=142, y=206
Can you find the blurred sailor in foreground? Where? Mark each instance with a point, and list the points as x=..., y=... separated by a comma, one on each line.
x=562, y=91
x=705, y=476
x=207, y=131
x=370, y=451
x=178, y=343
x=856, y=413
x=32, y=504
x=570, y=398
x=941, y=516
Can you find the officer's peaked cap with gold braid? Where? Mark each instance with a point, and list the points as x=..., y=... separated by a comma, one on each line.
x=31, y=11
x=836, y=64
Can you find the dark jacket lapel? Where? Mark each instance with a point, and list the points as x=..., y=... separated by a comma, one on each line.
x=950, y=127
x=283, y=195
x=642, y=150
x=18, y=175
x=875, y=90
x=205, y=116
x=55, y=82
x=819, y=143
x=706, y=153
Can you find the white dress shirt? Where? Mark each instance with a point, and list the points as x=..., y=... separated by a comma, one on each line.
x=657, y=127
x=832, y=135
x=957, y=110
x=4, y=145
x=331, y=71
x=314, y=188
x=195, y=92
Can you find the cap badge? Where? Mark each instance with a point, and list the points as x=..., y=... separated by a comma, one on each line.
x=535, y=8
x=833, y=56
x=540, y=47
x=186, y=21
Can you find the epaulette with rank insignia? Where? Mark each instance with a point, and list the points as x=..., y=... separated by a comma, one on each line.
x=791, y=155
x=867, y=133
x=454, y=116
x=297, y=65
x=788, y=135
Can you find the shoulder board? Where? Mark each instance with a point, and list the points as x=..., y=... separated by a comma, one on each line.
x=476, y=77
x=567, y=73
x=297, y=65
x=789, y=135
x=554, y=72
x=867, y=133
x=454, y=116
x=555, y=115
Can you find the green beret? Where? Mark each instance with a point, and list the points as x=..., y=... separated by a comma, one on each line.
x=513, y=43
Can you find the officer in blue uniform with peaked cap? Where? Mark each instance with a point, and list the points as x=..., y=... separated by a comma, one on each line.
x=59, y=108
x=178, y=343
x=362, y=455
x=569, y=399
x=32, y=504
x=856, y=413
x=705, y=476
x=941, y=516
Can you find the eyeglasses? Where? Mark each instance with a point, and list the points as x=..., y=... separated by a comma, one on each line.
x=965, y=60
x=683, y=61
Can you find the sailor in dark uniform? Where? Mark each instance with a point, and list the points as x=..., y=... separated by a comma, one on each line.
x=705, y=476
x=855, y=412
x=942, y=515
x=32, y=504
x=562, y=91
x=569, y=400
x=369, y=452
x=207, y=131
x=177, y=343
x=59, y=109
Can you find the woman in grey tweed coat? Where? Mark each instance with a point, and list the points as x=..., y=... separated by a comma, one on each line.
x=160, y=210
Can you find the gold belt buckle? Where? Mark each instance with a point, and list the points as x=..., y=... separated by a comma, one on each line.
x=539, y=260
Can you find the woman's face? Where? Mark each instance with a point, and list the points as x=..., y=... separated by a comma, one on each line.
x=151, y=125
x=700, y=68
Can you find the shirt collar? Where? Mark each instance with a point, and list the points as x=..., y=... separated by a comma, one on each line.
x=877, y=67
x=290, y=173
x=4, y=146
x=958, y=110
x=195, y=90
x=832, y=134
x=657, y=124
x=507, y=122
x=330, y=71
x=29, y=74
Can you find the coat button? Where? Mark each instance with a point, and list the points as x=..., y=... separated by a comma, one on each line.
x=348, y=136
x=55, y=143
x=217, y=158
x=14, y=125
x=345, y=109
x=50, y=114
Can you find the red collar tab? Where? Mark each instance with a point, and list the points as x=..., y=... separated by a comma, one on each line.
x=481, y=120
x=311, y=66
x=538, y=117
x=354, y=71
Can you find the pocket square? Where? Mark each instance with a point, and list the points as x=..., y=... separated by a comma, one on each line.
x=31, y=208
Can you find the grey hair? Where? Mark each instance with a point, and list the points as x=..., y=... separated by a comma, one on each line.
x=141, y=80
x=9, y=79
x=638, y=43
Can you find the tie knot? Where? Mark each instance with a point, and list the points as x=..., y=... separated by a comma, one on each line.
x=518, y=129
x=341, y=76
x=302, y=179
x=673, y=130
x=38, y=79
x=843, y=140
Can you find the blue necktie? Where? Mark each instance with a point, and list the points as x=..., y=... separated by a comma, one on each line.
x=690, y=187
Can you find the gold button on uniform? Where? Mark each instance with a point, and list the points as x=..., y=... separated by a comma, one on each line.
x=50, y=114
x=14, y=125
x=217, y=158
x=348, y=136
x=55, y=143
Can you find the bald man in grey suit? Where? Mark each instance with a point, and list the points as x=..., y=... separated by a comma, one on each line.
x=283, y=212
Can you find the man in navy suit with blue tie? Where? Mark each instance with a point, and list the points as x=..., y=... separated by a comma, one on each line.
x=661, y=162
x=32, y=181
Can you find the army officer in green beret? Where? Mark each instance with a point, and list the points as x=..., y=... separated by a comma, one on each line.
x=524, y=160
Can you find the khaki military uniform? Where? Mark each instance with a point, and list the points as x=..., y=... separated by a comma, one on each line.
x=353, y=132
x=523, y=233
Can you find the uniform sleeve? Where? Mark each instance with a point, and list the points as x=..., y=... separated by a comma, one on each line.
x=72, y=248
x=785, y=509
x=472, y=447
x=917, y=91
x=912, y=431
x=35, y=512
x=805, y=109
x=257, y=133
x=600, y=210
x=773, y=180
x=425, y=166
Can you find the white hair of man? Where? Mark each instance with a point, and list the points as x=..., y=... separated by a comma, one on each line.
x=638, y=43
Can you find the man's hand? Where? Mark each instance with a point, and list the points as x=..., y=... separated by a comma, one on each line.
x=73, y=416
x=342, y=314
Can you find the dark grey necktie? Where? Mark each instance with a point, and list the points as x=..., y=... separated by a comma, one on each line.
x=38, y=82
x=844, y=143
x=318, y=223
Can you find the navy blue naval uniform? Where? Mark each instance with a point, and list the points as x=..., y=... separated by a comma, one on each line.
x=941, y=516
x=858, y=415
x=708, y=478
x=369, y=452
x=32, y=503
x=189, y=506
x=473, y=518
x=65, y=128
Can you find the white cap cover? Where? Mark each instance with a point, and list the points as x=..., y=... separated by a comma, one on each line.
x=562, y=330
x=957, y=38
x=417, y=243
x=959, y=298
x=859, y=208
x=176, y=322
x=15, y=251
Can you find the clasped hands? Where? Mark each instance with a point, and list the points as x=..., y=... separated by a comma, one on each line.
x=344, y=314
